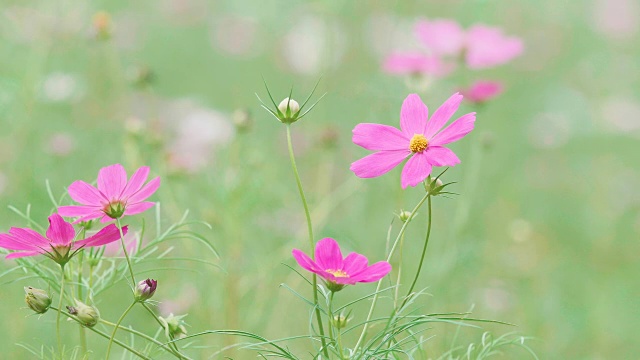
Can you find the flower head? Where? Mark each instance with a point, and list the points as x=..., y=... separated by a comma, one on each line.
x=338, y=271
x=58, y=243
x=38, y=300
x=420, y=139
x=483, y=90
x=487, y=47
x=145, y=289
x=441, y=36
x=114, y=197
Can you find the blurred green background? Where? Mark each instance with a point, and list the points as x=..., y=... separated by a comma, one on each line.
x=544, y=233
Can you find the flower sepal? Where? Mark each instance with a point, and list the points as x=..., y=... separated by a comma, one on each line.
x=289, y=111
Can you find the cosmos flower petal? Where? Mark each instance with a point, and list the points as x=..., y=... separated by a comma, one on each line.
x=60, y=232
x=415, y=170
x=135, y=183
x=354, y=263
x=442, y=115
x=455, y=131
x=305, y=261
x=441, y=36
x=379, y=137
x=86, y=194
x=112, y=180
x=328, y=255
x=374, y=272
x=413, y=116
x=16, y=255
x=28, y=235
x=107, y=235
x=138, y=208
x=378, y=163
x=15, y=243
x=145, y=192
x=441, y=156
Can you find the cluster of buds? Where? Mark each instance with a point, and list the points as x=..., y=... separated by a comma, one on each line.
x=86, y=315
x=145, y=289
x=38, y=300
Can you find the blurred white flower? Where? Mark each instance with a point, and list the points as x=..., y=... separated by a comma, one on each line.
x=60, y=87
x=495, y=297
x=313, y=45
x=29, y=25
x=236, y=35
x=616, y=19
x=60, y=144
x=621, y=114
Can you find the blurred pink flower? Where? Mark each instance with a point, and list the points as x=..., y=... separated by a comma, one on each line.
x=488, y=46
x=58, y=243
x=420, y=139
x=483, y=90
x=411, y=63
x=114, y=197
x=339, y=271
x=441, y=36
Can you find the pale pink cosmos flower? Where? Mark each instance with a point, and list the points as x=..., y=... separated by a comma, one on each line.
x=487, y=47
x=338, y=271
x=59, y=244
x=411, y=63
x=114, y=197
x=483, y=90
x=420, y=139
x=441, y=36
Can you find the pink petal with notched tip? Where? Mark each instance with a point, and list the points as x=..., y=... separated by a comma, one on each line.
x=60, y=232
x=415, y=170
x=354, y=263
x=442, y=115
x=108, y=234
x=374, y=272
x=413, y=116
x=456, y=131
x=145, y=192
x=305, y=261
x=378, y=163
x=86, y=194
x=112, y=180
x=379, y=137
x=441, y=156
x=328, y=254
x=136, y=182
x=138, y=208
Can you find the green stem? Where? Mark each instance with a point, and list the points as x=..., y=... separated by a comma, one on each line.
x=126, y=254
x=61, y=299
x=336, y=339
x=391, y=252
x=104, y=335
x=115, y=329
x=395, y=298
x=311, y=242
x=424, y=252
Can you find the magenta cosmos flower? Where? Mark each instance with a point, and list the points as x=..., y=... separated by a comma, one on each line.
x=441, y=36
x=338, y=271
x=420, y=139
x=487, y=47
x=114, y=196
x=58, y=243
x=483, y=90
x=416, y=63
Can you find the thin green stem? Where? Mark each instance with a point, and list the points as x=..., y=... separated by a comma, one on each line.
x=126, y=254
x=391, y=252
x=115, y=329
x=311, y=241
x=424, y=252
x=331, y=325
x=61, y=299
x=395, y=298
x=104, y=335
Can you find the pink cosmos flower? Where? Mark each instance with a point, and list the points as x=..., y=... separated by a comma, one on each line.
x=488, y=46
x=58, y=243
x=420, y=139
x=483, y=90
x=441, y=36
x=114, y=196
x=416, y=63
x=338, y=271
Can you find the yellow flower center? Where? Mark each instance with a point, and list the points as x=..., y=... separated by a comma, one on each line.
x=337, y=273
x=418, y=143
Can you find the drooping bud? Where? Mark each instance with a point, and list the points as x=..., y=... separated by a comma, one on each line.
x=340, y=321
x=87, y=315
x=38, y=300
x=145, y=289
x=404, y=215
x=174, y=326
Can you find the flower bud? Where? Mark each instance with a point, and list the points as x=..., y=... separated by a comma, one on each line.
x=340, y=321
x=404, y=215
x=434, y=186
x=87, y=315
x=174, y=326
x=37, y=300
x=145, y=289
x=289, y=108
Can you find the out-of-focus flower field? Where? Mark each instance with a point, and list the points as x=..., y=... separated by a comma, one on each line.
x=545, y=231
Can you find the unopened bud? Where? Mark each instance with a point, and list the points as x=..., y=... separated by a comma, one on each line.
x=145, y=289
x=174, y=326
x=87, y=315
x=404, y=215
x=289, y=107
x=38, y=300
x=340, y=321
x=434, y=186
